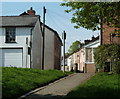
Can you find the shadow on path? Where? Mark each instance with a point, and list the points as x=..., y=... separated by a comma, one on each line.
x=47, y=96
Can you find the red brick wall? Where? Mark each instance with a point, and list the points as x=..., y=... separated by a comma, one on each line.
x=106, y=38
x=90, y=68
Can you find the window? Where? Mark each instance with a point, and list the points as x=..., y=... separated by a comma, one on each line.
x=10, y=35
x=89, y=54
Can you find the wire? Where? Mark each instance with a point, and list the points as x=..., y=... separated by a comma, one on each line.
x=58, y=14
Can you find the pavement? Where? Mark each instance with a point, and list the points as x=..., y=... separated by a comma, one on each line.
x=59, y=88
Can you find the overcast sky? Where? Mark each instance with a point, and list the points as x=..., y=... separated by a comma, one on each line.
x=56, y=18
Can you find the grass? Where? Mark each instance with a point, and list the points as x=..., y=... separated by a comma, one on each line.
x=102, y=85
x=18, y=81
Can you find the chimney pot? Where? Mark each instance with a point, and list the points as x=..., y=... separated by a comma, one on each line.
x=31, y=12
x=31, y=8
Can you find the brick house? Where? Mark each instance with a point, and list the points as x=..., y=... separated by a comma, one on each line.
x=109, y=36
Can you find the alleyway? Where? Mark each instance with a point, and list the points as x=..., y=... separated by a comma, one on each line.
x=60, y=88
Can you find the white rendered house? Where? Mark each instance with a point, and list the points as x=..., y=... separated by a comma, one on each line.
x=89, y=56
x=21, y=41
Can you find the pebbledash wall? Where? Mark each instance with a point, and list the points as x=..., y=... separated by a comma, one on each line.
x=57, y=51
x=36, y=48
x=53, y=45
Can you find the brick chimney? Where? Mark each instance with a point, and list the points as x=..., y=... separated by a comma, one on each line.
x=31, y=12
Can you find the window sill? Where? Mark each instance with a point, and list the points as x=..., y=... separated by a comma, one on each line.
x=10, y=42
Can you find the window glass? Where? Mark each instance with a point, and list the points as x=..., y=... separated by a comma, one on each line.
x=10, y=35
x=88, y=54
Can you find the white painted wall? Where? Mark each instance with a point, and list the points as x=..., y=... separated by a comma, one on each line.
x=92, y=45
x=69, y=62
x=21, y=34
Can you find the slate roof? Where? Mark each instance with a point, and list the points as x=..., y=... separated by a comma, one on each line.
x=19, y=21
x=24, y=20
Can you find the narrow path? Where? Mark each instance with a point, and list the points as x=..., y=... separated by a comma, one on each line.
x=61, y=87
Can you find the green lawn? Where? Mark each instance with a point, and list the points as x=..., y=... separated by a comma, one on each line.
x=100, y=86
x=18, y=81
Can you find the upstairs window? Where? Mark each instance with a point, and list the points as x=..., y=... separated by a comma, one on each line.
x=10, y=35
x=89, y=54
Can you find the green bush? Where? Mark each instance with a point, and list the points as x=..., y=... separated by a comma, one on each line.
x=18, y=81
x=108, y=53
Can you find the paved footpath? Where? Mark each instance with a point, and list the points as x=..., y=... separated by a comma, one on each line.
x=60, y=88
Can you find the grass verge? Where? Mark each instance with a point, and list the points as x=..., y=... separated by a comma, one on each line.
x=100, y=86
x=18, y=81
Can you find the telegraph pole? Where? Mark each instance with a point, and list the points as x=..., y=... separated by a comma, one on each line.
x=43, y=34
x=63, y=37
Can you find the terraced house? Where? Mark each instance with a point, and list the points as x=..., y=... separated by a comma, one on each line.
x=21, y=42
x=83, y=58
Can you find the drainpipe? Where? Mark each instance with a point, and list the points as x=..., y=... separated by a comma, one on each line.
x=26, y=51
x=101, y=24
x=31, y=48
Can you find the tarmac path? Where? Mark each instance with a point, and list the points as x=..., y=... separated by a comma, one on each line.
x=59, y=88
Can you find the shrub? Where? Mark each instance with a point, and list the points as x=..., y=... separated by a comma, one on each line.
x=108, y=54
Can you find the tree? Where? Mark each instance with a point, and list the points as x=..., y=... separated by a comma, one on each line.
x=109, y=53
x=75, y=45
x=88, y=14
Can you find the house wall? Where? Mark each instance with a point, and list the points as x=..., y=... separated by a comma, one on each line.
x=1, y=39
x=77, y=59
x=82, y=59
x=21, y=34
x=106, y=38
x=49, y=49
x=69, y=62
x=1, y=57
x=90, y=68
x=89, y=56
x=57, y=52
x=36, y=46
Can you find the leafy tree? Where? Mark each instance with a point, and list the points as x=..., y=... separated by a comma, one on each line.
x=75, y=45
x=108, y=53
x=89, y=14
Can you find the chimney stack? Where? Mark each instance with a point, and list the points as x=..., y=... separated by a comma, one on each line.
x=31, y=12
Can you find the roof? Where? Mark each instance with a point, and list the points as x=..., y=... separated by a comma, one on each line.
x=89, y=42
x=17, y=21
x=23, y=20
x=92, y=40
